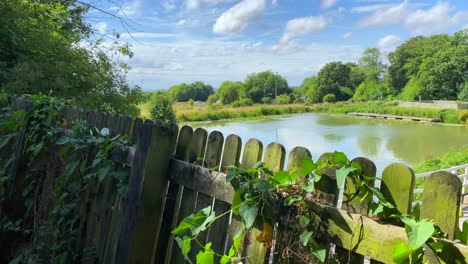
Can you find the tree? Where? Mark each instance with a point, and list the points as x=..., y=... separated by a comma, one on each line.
x=162, y=108
x=46, y=47
x=371, y=64
x=283, y=99
x=229, y=92
x=371, y=68
x=444, y=75
x=407, y=58
x=333, y=78
x=197, y=91
x=265, y=84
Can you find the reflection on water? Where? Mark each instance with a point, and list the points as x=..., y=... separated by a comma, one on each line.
x=384, y=142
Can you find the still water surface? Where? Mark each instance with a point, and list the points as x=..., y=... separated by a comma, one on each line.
x=384, y=142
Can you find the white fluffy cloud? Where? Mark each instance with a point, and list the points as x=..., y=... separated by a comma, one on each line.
x=347, y=36
x=328, y=3
x=387, y=16
x=433, y=20
x=196, y=4
x=101, y=27
x=238, y=17
x=388, y=41
x=303, y=26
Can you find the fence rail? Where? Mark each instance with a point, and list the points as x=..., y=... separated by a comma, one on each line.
x=175, y=172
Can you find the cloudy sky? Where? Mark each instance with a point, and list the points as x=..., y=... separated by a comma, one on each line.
x=177, y=41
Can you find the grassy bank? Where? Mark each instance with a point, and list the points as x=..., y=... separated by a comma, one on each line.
x=446, y=161
x=205, y=112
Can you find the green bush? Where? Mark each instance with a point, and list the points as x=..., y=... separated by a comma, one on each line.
x=162, y=108
x=283, y=99
x=463, y=116
x=191, y=102
x=329, y=98
x=242, y=102
x=212, y=99
x=448, y=116
x=267, y=100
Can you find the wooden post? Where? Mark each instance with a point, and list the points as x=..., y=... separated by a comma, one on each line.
x=145, y=201
x=441, y=201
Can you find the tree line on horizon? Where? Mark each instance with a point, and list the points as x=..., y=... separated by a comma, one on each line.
x=430, y=68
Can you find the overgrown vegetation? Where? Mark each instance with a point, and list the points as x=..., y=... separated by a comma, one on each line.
x=46, y=47
x=41, y=198
x=261, y=194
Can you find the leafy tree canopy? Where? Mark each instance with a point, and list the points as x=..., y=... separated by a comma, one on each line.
x=264, y=84
x=229, y=92
x=197, y=91
x=46, y=47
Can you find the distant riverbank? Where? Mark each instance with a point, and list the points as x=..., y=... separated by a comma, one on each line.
x=206, y=112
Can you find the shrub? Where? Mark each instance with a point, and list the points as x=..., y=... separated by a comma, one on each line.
x=448, y=116
x=212, y=99
x=191, y=102
x=283, y=99
x=329, y=98
x=242, y=102
x=463, y=95
x=162, y=108
x=267, y=100
x=463, y=116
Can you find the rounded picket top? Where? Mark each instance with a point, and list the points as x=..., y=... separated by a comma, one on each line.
x=397, y=187
x=197, y=150
x=441, y=201
x=351, y=202
x=253, y=151
x=231, y=152
x=274, y=156
x=184, y=142
x=295, y=158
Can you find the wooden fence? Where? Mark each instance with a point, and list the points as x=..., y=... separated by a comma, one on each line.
x=175, y=172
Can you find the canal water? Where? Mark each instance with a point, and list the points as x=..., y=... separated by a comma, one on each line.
x=384, y=142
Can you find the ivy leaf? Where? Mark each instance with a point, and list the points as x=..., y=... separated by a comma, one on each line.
x=282, y=177
x=263, y=186
x=248, y=213
x=236, y=201
x=236, y=243
x=401, y=253
x=339, y=158
x=63, y=140
x=418, y=232
x=437, y=246
x=225, y=260
x=310, y=187
x=375, y=209
x=206, y=257
x=307, y=166
x=341, y=174
x=184, y=245
x=231, y=175
x=195, y=222
x=103, y=172
x=305, y=237
x=319, y=251
x=291, y=199
x=304, y=220
x=462, y=234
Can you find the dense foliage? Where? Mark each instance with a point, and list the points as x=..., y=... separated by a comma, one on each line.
x=229, y=92
x=197, y=91
x=40, y=207
x=265, y=84
x=161, y=108
x=46, y=47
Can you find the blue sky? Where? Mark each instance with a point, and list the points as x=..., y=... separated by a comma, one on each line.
x=177, y=41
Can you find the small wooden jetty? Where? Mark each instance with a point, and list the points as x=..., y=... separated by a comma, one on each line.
x=396, y=117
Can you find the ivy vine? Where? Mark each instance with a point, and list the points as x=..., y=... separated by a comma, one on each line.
x=61, y=165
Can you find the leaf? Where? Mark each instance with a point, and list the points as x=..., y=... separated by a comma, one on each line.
x=418, y=232
x=282, y=177
x=206, y=257
x=437, y=246
x=375, y=209
x=63, y=140
x=307, y=166
x=231, y=175
x=401, y=253
x=236, y=201
x=248, y=214
x=358, y=167
x=341, y=175
x=259, y=165
x=267, y=234
x=263, y=186
x=184, y=245
x=304, y=220
x=318, y=250
x=305, y=237
x=103, y=172
x=291, y=199
x=462, y=234
x=339, y=158
x=195, y=222
x=225, y=260
x=236, y=243
x=310, y=187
